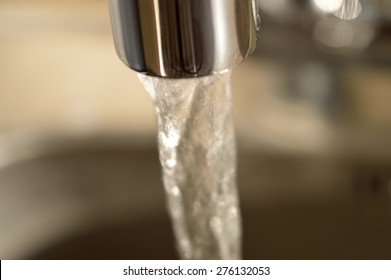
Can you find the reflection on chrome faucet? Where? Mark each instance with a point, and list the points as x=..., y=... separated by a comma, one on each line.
x=179, y=39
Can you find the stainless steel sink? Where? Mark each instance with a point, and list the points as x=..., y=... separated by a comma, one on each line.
x=103, y=199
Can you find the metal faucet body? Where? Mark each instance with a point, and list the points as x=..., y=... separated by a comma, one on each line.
x=183, y=38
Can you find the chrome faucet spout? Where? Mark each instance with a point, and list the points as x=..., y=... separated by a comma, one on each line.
x=183, y=38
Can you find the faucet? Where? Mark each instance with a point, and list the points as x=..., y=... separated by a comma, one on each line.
x=183, y=38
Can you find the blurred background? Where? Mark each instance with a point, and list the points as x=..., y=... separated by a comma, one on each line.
x=79, y=170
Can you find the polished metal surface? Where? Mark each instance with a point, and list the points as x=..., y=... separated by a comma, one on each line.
x=183, y=38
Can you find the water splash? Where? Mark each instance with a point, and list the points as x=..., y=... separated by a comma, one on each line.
x=198, y=158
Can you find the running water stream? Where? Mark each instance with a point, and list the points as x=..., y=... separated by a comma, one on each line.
x=198, y=157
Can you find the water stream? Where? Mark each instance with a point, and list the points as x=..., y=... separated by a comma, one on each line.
x=198, y=157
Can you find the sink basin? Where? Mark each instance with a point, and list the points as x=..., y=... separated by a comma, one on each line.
x=103, y=199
